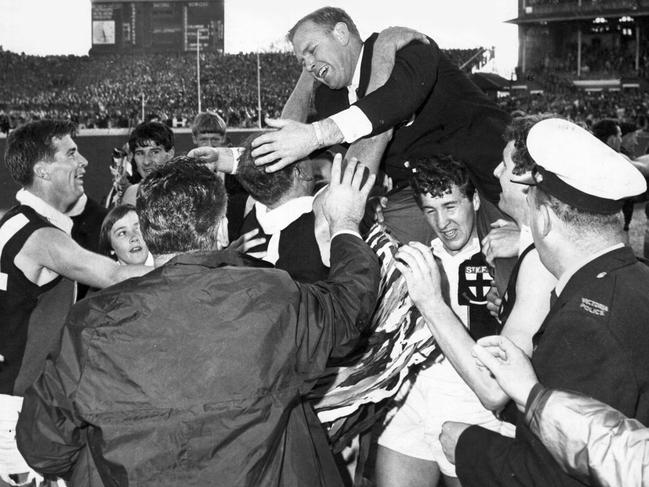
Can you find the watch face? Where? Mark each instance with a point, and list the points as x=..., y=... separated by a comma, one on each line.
x=103, y=32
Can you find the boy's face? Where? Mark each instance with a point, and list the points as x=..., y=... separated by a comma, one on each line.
x=210, y=139
x=151, y=156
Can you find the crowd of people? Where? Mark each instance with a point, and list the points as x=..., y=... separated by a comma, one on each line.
x=222, y=284
x=582, y=106
x=598, y=61
x=585, y=3
x=109, y=90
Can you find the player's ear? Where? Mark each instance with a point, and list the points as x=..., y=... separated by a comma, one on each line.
x=548, y=218
x=476, y=201
x=41, y=170
x=341, y=33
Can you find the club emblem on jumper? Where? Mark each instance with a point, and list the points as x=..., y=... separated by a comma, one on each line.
x=474, y=281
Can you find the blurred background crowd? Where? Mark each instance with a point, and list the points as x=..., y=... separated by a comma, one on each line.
x=110, y=91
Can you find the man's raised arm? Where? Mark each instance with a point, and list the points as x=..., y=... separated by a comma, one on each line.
x=298, y=104
x=295, y=140
x=52, y=249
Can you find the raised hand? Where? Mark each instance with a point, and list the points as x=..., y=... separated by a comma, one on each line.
x=344, y=200
x=418, y=266
x=502, y=241
x=292, y=142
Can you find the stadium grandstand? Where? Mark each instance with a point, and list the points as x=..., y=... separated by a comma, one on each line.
x=586, y=44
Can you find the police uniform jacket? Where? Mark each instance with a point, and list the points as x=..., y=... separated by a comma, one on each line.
x=595, y=341
x=194, y=374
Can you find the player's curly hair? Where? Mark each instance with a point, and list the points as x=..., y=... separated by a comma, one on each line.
x=435, y=176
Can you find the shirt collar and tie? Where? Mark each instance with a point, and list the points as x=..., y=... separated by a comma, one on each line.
x=352, y=89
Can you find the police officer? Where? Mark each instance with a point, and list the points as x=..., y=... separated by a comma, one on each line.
x=595, y=339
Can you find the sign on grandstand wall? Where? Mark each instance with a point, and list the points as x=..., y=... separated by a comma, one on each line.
x=103, y=32
x=157, y=26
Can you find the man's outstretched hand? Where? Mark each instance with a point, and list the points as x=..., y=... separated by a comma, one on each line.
x=292, y=142
x=215, y=158
x=509, y=365
x=345, y=198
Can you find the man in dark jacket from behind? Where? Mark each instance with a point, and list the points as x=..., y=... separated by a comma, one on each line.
x=194, y=374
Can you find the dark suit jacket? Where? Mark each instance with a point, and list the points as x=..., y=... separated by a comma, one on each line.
x=195, y=373
x=451, y=114
x=595, y=341
x=299, y=254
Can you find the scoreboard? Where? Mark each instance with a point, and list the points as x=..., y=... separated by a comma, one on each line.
x=153, y=26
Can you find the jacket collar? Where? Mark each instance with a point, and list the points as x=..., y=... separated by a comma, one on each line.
x=217, y=258
x=277, y=219
x=567, y=275
x=595, y=269
x=366, y=65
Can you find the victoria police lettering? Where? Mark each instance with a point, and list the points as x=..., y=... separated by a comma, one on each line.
x=593, y=307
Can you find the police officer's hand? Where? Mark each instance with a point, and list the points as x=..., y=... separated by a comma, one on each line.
x=508, y=364
x=417, y=264
x=451, y=431
x=344, y=200
x=502, y=241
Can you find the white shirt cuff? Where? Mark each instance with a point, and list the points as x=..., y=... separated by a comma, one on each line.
x=352, y=123
x=346, y=232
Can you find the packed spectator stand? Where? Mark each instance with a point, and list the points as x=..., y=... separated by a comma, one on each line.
x=110, y=90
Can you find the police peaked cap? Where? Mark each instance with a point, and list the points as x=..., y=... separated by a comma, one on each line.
x=579, y=169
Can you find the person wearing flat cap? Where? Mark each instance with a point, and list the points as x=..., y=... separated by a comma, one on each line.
x=595, y=339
